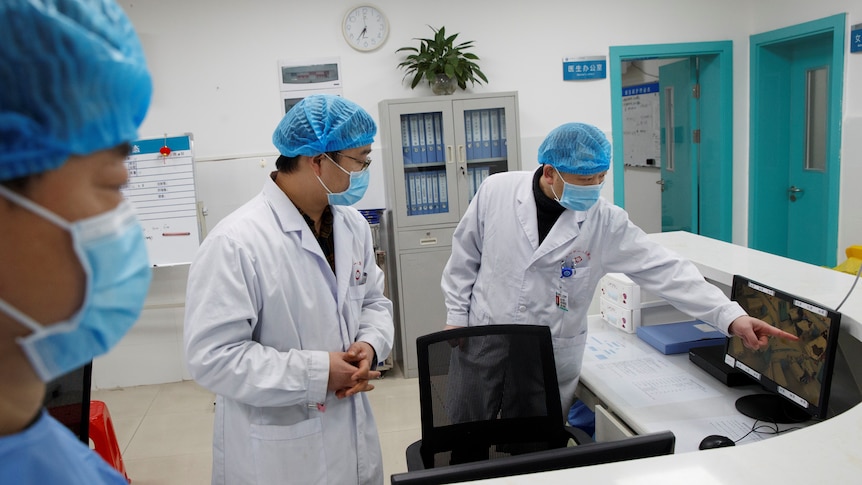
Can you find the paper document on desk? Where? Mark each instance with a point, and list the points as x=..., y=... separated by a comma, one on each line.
x=650, y=381
x=602, y=346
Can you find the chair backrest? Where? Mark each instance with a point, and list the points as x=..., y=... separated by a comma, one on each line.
x=67, y=399
x=643, y=446
x=488, y=392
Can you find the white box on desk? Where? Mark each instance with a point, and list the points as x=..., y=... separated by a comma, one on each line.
x=621, y=290
x=625, y=319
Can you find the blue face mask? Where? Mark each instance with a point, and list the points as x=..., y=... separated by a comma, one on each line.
x=354, y=192
x=578, y=197
x=111, y=249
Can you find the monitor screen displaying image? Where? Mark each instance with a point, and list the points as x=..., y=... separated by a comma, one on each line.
x=798, y=374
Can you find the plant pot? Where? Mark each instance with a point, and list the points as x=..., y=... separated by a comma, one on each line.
x=443, y=84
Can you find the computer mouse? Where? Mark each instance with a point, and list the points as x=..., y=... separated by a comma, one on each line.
x=715, y=441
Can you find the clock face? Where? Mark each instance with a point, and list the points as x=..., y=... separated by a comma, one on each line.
x=365, y=28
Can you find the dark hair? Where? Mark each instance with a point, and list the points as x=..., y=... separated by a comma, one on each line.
x=286, y=164
x=19, y=184
x=290, y=164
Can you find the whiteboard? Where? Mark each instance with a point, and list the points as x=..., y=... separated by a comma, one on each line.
x=641, y=126
x=161, y=190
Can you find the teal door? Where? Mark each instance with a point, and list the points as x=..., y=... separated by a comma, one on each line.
x=714, y=217
x=678, y=154
x=805, y=198
x=795, y=140
x=708, y=205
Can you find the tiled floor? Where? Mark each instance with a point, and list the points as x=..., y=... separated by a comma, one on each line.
x=165, y=431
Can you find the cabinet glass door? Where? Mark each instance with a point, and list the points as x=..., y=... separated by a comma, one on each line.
x=423, y=165
x=484, y=142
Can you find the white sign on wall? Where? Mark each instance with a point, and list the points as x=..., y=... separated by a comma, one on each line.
x=641, y=126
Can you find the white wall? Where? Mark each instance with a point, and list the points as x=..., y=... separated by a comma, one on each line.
x=214, y=68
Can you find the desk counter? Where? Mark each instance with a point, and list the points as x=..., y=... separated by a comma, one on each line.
x=827, y=452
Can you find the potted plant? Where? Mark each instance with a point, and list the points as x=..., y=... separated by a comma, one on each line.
x=442, y=63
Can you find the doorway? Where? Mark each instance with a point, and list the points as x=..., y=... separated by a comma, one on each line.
x=689, y=185
x=797, y=78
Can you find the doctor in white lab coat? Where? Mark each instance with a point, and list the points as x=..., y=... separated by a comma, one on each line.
x=532, y=247
x=285, y=314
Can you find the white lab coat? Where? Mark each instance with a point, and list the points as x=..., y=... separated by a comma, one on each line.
x=263, y=309
x=499, y=274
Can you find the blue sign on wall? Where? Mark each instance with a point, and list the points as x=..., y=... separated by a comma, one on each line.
x=582, y=68
x=856, y=38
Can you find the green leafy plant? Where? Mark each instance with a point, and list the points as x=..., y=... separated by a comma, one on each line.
x=441, y=55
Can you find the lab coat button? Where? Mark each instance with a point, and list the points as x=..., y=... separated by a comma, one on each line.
x=522, y=308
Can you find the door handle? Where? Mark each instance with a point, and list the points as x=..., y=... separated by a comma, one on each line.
x=792, y=191
x=660, y=182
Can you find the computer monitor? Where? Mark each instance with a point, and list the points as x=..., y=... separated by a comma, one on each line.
x=643, y=446
x=797, y=374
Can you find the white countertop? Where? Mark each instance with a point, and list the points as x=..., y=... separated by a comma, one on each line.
x=827, y=452
x=719, y=261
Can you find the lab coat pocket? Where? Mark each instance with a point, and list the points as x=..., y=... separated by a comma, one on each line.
x=355, y=299
x=577, y=288
x=294, y=453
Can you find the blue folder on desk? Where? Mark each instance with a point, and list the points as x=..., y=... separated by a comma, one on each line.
x=677, y=338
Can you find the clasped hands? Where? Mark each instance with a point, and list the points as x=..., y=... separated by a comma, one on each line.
x=350, y=372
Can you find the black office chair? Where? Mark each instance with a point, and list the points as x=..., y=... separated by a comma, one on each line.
x=487, y=392
x=67, y=399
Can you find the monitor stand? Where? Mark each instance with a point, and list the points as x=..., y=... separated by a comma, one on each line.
x=771, y=408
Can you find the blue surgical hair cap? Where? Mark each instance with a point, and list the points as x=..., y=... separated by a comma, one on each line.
x=73, y=81
x=323, y=123
x=576, y=148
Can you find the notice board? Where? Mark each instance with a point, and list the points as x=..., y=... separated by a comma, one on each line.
x=161, y=189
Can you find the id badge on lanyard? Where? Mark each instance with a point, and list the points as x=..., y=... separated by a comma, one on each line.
x=561, y=298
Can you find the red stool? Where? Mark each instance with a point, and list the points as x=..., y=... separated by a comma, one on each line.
x=104, y=439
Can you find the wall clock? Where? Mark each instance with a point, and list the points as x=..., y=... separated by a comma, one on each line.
x=365, y=28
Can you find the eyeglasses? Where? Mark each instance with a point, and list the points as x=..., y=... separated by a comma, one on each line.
x=365, y=163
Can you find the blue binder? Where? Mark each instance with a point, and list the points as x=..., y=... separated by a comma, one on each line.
x=477, y=135
x=423, y=192
x=438, y=136
x=468, y=133
x=405, y=140
x=433, y=192
x=486, y=134
x=414, y=139
x=495, y=134
x=410, y=193
x=443, y=187
x=504, y=149
x=431, y=150
x=423, y=143
x=677, y=338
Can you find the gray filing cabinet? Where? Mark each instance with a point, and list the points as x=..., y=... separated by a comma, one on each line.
x=436, y=152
